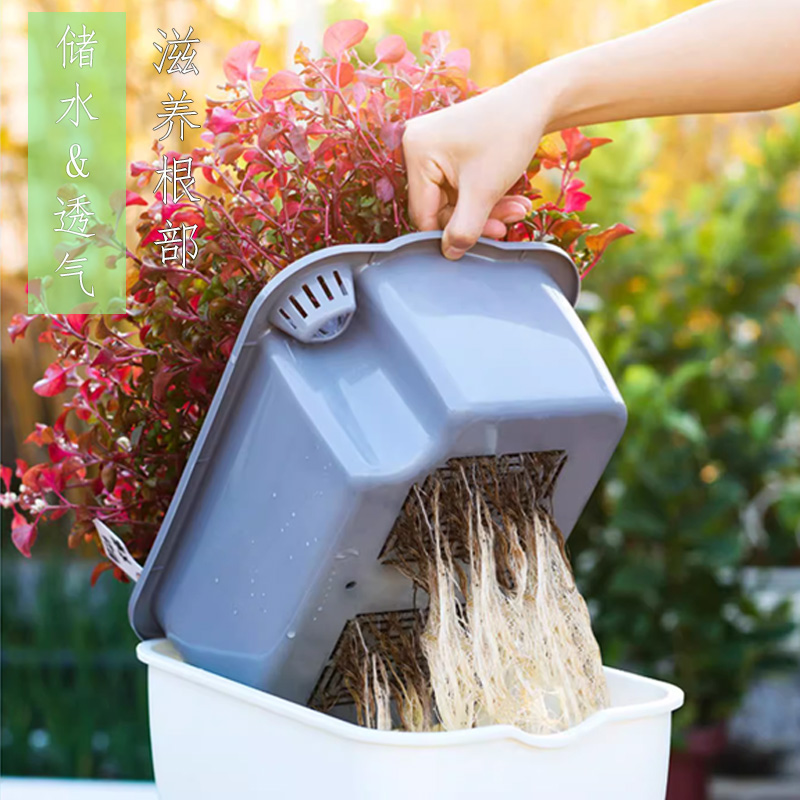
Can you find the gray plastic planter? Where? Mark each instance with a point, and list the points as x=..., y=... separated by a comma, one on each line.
x=358, y=371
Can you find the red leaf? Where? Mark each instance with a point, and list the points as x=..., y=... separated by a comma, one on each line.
x=434, y=43
x=341, y=73
x=391, y=49
x=599, y=141
x=197, y=381
x=92, y=393
x=578, y=145
x=266, y=135
x=384, y=189
x=77, y=321
x=576, y=200
x=102, y=567
x=190, y=216
x=297, y=139
x=460, y=59
x=548, y=153
x=598, y=242
x=23, y=534
x=19, y=324
x=392, y=134
x=104, y=358
x=42, y=435
x=282, y=84
x=567, y=230
x=241, y=63
x=221, y=120
x=54, y=381
x=343, y=35
x=407, y=65
x=370, y=77
x=226, y=348
x=141, y=168
x=56, y=453
x=6, y=475
x=61, y=419
x=161, y=382
x=133, y=199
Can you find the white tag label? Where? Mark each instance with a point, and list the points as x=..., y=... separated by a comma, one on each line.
x=117, y=552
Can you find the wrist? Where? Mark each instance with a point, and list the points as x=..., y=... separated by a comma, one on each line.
x=548, y=95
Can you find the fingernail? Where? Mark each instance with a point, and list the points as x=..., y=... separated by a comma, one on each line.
x=453, y=253
x=516, y=212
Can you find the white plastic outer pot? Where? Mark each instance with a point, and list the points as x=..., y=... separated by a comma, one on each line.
x=214, y=738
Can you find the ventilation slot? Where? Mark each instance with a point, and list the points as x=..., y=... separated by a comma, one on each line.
x=316, y=306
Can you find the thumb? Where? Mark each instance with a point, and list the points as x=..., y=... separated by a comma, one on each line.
x=467, y=222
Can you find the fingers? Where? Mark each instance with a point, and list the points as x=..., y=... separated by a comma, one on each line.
x=425, y=181
x=467, y=222
x=463, y=208
x=425, y=199
x=507, y=211
x=511, y=208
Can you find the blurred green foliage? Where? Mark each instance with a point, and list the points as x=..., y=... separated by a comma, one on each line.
x=74, y=699
x=698, y=320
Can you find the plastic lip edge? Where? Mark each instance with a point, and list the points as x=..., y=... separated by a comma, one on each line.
x=140, y=607
x=672, y=699
x=271, y=293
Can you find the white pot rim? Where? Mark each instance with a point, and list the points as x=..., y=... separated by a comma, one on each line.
x=160, y=654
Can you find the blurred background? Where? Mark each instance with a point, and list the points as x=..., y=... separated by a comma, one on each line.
x=689, y=553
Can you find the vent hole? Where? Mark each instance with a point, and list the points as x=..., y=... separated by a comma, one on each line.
x=311, y=297
x=350, y=585
x=287, y=317
x=341, y=283
x=300, y=309
x=332, y=327
x=328, y=292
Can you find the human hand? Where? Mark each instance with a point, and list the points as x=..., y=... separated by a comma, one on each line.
x=462, y=161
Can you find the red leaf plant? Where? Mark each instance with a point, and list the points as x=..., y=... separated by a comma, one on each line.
x=307, y=159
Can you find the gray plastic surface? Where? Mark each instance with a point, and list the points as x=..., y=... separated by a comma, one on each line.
x=309, y=449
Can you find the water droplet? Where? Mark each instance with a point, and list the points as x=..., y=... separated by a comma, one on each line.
x=314, y=619
x=308, y=544
x=291, y=635
x=252, y=594
x=274, y=494
x=291, y=557
x=252, y=580
x=252, y=541
x=263, y=594
x=294, y=513
x=235, y=612
x=319, y=608
x=216, y=580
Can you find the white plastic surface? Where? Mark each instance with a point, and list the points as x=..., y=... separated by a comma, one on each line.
x=214, y=738
x=316, y=304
